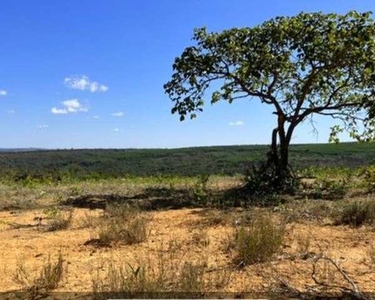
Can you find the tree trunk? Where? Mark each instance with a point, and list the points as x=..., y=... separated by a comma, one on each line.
x=279, y=155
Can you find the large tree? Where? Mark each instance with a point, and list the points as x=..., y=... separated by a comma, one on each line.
x=308, y=64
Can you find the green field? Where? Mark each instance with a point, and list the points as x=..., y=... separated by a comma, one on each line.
x=215, y=160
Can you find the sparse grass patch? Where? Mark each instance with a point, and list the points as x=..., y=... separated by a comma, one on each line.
x=214, y=217
x=47, y=280
x=152, y=277
x=355, y=213
x=60, y=220
x=258, y=241
x=122, y=224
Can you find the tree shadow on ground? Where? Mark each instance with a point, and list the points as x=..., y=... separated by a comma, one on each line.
x=149, y=199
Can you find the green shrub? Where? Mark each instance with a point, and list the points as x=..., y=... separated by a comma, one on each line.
x=369, y=178
x=258, y=241
x=200, y=191
x=326, y=189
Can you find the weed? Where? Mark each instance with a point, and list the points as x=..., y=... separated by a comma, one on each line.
x=258, y=241
x=369, y=178
x=191, y=277
x=60, y=220
x=355, y=213
x=157, y=275
x=48, y=279
x=122, y=224
x=200, y=191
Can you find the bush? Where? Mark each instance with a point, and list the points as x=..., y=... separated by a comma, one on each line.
x=369, y=178
x=59, y=220
x=123, y=224
x=200, y=192
x=328, y=189
x=356, y=213
x=258, y=241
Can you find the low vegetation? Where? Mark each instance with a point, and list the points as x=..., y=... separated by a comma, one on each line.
x=122, y=224
x=48, y=278
x=259, y=241
x=118, y=227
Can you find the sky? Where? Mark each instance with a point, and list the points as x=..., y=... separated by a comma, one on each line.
x=90, y=73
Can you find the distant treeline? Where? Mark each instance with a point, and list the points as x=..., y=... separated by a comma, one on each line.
x=57, y=165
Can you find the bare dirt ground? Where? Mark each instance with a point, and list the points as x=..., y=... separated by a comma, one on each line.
x=24, y=241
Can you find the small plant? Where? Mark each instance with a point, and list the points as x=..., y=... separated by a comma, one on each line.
x=191, y=278
x=122, y=224
x=327, y=189
x=356, y=213
x=369, y=178
x=48, y=279
x=258, y=241
x=201, y=192
x=150, y=279
x=60, y=220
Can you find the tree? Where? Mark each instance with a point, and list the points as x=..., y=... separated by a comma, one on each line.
x=308, y=64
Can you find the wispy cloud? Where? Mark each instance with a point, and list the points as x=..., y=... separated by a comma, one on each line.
x=42, y=126
x=11, y=112
x=69, y=106
x=3, y=93
x=236, y=123
x=82, y=82
x=118, y=114
x=116, y=129
x=95, y=117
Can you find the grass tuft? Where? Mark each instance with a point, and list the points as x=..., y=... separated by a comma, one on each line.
x=258, y=241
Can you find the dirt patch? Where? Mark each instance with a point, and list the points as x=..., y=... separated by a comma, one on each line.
x=291, y=269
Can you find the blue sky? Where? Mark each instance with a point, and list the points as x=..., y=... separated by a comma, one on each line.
x=90, y=74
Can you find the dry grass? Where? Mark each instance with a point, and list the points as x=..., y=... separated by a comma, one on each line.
x=60, y=221
x=303, y=242
x=355, y=213
x=122, y=224
x=201, y=238
x=164, y=274
x=258, y=241
x=47, y=280
x=371, y=254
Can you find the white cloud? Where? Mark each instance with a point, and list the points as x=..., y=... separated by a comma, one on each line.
x=42, y=126
x=58, y=111
x=95, y=117
x=118, y=114
x=3, y=93
x=236, y=123
x=116, y=129
x=83, y=83
x=69, y=106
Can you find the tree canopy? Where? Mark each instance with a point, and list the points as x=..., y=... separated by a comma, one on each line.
x=311, y=63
